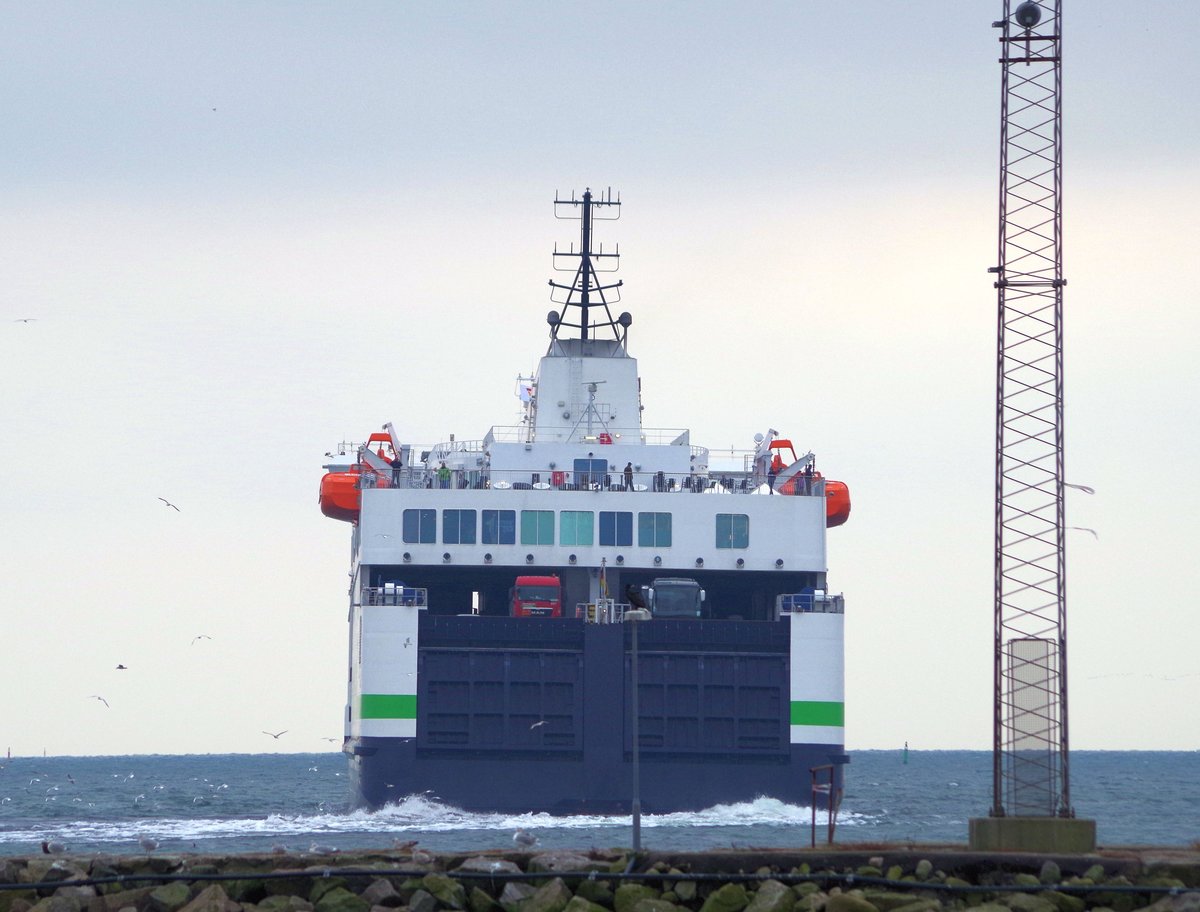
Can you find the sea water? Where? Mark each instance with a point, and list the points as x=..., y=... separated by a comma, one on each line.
x=246, y=803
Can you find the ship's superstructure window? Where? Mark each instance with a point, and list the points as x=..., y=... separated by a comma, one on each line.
x=654, y=530
x=616, y=529
x=733, y=530
x=537, y=527
x=575, y=527
x=420, y=526
x=590, y=472
x=499, y=527
x=458, y=527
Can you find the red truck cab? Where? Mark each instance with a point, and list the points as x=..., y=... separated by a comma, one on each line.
x=536, y=596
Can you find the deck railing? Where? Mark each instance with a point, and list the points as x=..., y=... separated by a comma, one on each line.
x=555, y=480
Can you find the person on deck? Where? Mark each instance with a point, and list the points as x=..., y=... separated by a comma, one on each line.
x=443, y=475
x=629, y=476
x=773, y=472
x=397, y=465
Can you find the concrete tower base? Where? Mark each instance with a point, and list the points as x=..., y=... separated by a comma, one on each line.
x=1058, y=835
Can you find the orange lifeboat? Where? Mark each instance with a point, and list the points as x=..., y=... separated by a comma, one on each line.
x=837, y=503
x=340, y=495
x=341, y=492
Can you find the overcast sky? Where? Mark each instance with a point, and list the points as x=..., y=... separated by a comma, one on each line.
x=245, y=232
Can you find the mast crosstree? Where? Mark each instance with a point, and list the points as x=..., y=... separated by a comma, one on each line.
x=586, y=292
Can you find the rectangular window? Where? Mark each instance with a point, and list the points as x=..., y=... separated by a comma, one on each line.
x=616, y=529
x=537, y=527
x=575, y=527
x=420, y=526
x=499, y=527
x=458, y=527
x=654, y=530
x=733, y=530
x=590, y=472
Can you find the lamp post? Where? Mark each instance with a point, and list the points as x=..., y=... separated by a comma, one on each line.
x=636, y=616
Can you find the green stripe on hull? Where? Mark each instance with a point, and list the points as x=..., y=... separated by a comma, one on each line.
x=388, y=706
x=817, y=712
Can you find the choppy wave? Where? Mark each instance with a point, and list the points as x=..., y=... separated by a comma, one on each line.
x=240, y=803
x=433, y=823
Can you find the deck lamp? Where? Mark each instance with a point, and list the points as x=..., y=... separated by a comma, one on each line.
x=445, y=557
x=699, y=562
x=741, y=562
x=529, y=558
x=778, y=562
x=407, y=557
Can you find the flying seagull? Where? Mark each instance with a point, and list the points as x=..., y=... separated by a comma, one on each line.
x=147, y=843
x=1084, y=488
x=25, y=320
x=98, y=697
x=275, y=736
x=537, y=724
x=50, y=847
x=202, y=636
x=121, y=667
x=171, y=505
x=1095, y=534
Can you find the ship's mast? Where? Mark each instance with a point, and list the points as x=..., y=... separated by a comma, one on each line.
x=586, y=284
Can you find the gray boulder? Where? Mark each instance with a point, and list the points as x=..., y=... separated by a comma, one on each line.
x=514, y=894
x=848, y=902
x=170, y=896
x=339, y=899
x=552, y=896
x=381, y=892
x=730, y=897
x=448, y=891
x=772, y=896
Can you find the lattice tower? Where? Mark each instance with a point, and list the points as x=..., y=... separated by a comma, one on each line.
x=1030, y=726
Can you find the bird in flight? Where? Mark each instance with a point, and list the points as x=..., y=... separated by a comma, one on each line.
x=100, y=698
x=202, y=636
x=121, y=667
x=1095, y=534
x=275, y=736
x=537, y=724
x=1084, y=488
x=171, y=505
x=25, y=320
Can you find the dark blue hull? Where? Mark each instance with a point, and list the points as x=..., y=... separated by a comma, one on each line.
x=517, y=715
x=390, y=768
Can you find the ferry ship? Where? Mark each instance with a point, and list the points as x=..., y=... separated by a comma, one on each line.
x=506, y=593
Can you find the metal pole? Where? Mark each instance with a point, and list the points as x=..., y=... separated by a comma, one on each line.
x=637, y=798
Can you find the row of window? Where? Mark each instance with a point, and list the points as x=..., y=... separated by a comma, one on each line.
x=575, y=527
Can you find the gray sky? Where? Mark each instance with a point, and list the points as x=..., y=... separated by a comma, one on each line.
x=250, y=230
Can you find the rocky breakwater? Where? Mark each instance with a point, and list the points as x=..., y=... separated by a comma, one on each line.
x=746, y=881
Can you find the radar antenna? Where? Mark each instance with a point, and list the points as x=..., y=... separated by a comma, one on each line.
x=586, y=291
